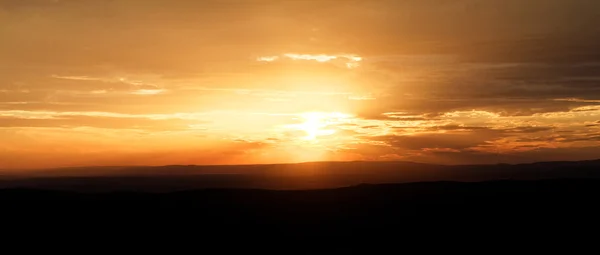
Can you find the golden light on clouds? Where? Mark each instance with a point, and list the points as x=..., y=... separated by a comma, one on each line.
x=147, y=91
x=348, y=60
x=200, y=82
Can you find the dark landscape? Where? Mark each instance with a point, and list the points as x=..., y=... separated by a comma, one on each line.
x=504, y=205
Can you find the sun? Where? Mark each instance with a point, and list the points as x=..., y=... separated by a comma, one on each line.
x=318, y=124
x=314, y=125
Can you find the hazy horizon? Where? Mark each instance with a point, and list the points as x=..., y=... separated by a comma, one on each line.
x=234, y=82
x=284, y=164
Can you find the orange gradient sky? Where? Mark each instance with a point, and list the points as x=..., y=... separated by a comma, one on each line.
x=239, y=82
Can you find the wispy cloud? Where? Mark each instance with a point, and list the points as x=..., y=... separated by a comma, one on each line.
x=578, y=100
x=267, y=58
x=57, y=115
x=148, y=91
x=350, y=61
x=76, y=78
x=136, y=87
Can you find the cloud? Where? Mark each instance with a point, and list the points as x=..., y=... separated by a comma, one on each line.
x=100, y=122
x=579, y=100
x=456, y=140
x=77, y=78
x=529, y=156
x=528, y=129
x=62, y=114
x=487, y=80
x=147, y=91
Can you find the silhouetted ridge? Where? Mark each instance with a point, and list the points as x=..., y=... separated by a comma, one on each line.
x=310, y=175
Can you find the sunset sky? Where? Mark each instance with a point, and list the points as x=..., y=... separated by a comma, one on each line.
x=156, y=82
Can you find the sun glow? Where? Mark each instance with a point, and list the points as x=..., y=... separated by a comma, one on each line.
x=317, y=124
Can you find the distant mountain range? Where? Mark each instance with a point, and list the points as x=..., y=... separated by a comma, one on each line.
x=314, y=175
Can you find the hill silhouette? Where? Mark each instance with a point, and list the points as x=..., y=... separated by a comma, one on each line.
x=314, y=175
x=308, y=208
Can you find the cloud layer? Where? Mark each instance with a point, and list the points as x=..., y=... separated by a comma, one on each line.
x=162, y=82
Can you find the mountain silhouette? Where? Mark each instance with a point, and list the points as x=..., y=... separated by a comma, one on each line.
x=314, y=175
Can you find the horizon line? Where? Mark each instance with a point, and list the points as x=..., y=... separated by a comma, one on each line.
x=290, y=163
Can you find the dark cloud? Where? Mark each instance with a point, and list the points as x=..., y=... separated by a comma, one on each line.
x=533, y=155
x=456, y=128
x=457, y=140
x=165, y=35
x=528, y=130
x=584, y=138
x=475, y=90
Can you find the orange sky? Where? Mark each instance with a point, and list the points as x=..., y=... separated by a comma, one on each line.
x=235, y=82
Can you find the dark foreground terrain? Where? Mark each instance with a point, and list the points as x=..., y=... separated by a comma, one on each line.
x=559, y=215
